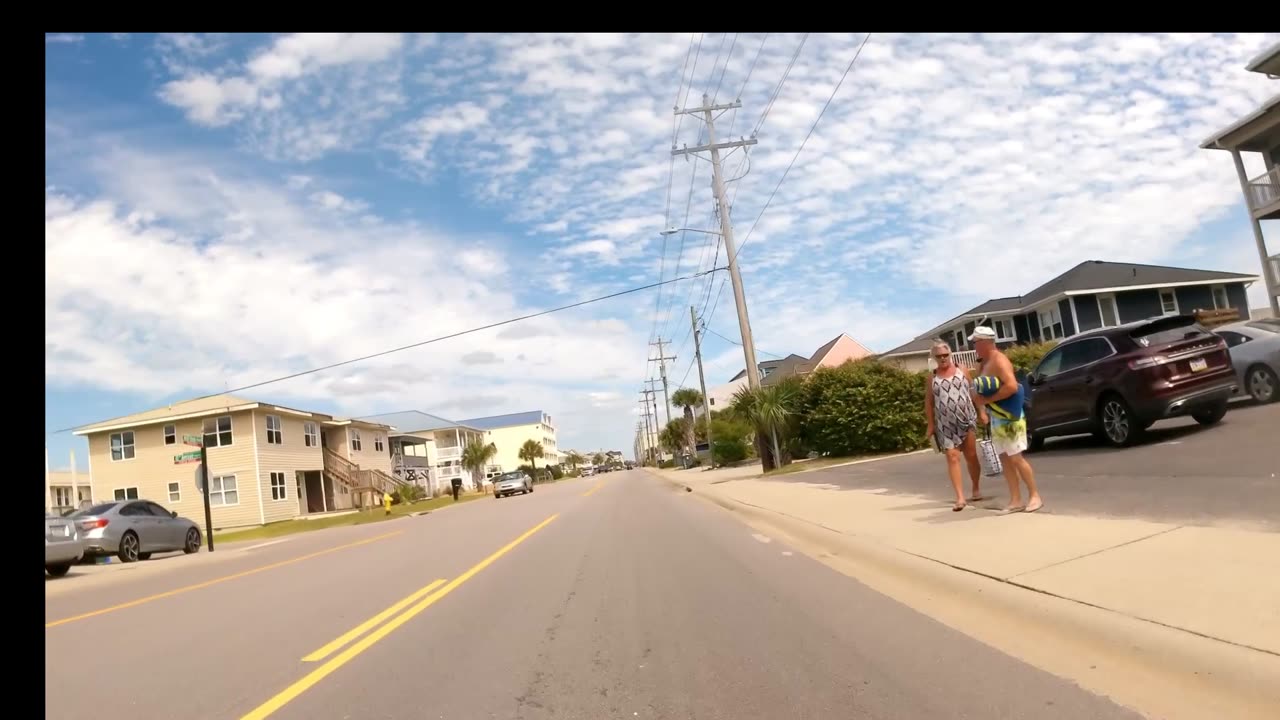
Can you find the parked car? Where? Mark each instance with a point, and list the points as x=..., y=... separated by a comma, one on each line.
x=1116, y=382
x=62, y=545
x=511, y=483
x=1255, y=354
x=134, y=529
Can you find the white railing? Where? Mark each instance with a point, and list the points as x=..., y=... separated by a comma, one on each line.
x=1264, y=189
x=448, y=453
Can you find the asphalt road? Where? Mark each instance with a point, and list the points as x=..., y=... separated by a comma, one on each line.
x=1226, y=475
x=620, y=597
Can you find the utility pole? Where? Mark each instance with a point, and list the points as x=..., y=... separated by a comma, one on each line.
x=657, y=429
x=726, y=223
x=702, y=383
x=662, y=367
x=644, y=403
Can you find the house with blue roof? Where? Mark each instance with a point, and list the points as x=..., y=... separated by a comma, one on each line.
x=509, y=432
x=426, y=449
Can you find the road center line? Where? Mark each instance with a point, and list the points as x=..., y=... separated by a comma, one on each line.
x=293, y=691
x=597, y=487
x=364, y=627
x=215, y=581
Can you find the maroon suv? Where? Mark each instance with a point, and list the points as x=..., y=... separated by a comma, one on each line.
x=1116, y=382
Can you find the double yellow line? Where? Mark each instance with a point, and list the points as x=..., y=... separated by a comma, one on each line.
x=386, y=622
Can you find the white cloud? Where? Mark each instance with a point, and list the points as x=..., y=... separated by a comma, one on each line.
x=63, y=38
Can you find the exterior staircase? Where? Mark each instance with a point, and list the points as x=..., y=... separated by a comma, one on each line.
x=341, y=470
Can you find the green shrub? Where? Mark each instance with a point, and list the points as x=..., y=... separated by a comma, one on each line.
x=862, y=407
x=1026, y=357
x=409, y=493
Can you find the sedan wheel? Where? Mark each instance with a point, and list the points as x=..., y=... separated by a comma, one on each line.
x=1262, y=384
x=192, y=544
x=129, y=548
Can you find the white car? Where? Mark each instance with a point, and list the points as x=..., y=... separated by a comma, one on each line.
x=1255, y=354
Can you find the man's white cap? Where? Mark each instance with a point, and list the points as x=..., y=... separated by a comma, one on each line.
x=982, y=332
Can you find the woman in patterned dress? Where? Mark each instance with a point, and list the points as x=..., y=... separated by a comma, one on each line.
x=953, y=418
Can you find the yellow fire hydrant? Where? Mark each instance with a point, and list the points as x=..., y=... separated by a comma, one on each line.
x=386, y=501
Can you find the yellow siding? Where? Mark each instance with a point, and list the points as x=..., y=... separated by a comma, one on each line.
x=509, y=439
x=335, y=438
x=152, y=469
x=289, y=457
x=368, y=457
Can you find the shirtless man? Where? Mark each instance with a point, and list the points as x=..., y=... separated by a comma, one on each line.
x=1008, y=423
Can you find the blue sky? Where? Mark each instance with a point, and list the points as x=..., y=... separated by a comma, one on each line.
x=221, y=210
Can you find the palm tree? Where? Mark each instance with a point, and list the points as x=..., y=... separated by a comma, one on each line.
x=767, y=408
x=687, y=398
x=672, y=437
x=574, y=458
x=597, y=459
x=475, y=456
x=530, y=451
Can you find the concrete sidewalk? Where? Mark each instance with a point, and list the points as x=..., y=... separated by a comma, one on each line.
x=1215, y=582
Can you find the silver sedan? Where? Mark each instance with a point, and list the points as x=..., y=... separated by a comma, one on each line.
x=62, y=545
x=134, y=529
x=1255, y=353
x=512, y=483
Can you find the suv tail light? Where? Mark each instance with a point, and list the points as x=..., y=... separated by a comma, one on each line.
x=1147, y=362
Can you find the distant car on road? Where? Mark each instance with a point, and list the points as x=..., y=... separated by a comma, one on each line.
x=1255, y=355
x=1116, y=382
x=134, y=529
x=62, y=545
x=511, y=483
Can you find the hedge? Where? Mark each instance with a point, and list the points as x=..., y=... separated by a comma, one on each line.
x=862, y=407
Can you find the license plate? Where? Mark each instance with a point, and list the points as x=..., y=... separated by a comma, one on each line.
x=1199, y=364
x=60, y=530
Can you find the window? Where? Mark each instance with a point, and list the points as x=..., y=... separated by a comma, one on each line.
x=122, y=446
x=1004, y=329
x=378, y=443
x=175, y=492
x=960, y=342
x=223, y=490
x=157, y=510
x=274, y=434
x=1233, y=338
x=62, y=497
x=1168, y=302
x=310, y=434
x=355, y=440
x=1220, y=301
x=711, y=401
x=217, y=431
x=278, y=491
x=170, y=434
x=122, y=494
x=1050, y=323
x=1107, y=310
x=1084, y=352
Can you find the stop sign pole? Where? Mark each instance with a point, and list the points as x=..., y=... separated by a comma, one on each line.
x=202, y=479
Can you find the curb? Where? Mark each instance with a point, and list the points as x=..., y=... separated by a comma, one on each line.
x=1156, y=666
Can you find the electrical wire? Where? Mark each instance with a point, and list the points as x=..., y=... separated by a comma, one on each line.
x=735, y=342
x=441, y=338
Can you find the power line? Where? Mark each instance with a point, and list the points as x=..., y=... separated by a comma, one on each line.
x=795, y=157
x=441, y=338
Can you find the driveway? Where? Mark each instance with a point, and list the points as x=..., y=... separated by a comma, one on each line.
x=1227, y=475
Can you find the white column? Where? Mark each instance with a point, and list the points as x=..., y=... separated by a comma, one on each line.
x=48, y=489
x=75, y=490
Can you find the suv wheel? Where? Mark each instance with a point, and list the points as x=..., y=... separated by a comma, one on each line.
x=1211, y=415
x=1119, y=426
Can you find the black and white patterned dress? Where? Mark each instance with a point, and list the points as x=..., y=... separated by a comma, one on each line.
x=953, y=412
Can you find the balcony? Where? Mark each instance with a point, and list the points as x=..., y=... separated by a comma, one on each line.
x=1263, y=193
x=448, y=453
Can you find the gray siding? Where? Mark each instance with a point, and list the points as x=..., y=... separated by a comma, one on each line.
x=1137, y=305
x=1190, y=299
x=1239, y=297
x=1087, y=312
x=1021, y=329
x=1068, y=325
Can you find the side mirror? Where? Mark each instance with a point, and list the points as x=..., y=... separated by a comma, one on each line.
x=1034, y=379
x=173, y=514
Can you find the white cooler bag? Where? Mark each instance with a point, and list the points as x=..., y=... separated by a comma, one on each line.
x=988, y=456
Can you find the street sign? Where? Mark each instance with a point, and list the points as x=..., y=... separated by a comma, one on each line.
x=193, y=440
x=199, y=476
x=187, y=457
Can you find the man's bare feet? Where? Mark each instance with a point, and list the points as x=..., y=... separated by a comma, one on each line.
x=1034, y=504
